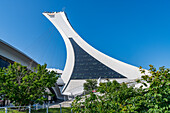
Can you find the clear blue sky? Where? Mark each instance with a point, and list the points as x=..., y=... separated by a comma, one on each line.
x=133, y=31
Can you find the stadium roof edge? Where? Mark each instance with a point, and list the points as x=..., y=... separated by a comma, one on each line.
x=17, y=50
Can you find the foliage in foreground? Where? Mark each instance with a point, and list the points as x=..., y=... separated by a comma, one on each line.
x=23, y=86
x=90, y=85
x=113, y=97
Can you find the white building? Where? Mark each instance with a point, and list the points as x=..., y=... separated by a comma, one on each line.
x=85, y=62
x=56, y=70
x=9, y=54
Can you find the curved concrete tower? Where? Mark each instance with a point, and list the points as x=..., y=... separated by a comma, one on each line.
x=85, y=62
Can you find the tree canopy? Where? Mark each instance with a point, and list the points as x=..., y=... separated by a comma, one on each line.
x=23, y=86
x=113, y=97
x=90, y=85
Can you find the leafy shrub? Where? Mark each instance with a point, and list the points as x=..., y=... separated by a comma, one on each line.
x=112, y=97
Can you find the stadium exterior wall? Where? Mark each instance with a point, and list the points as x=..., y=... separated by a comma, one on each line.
x=9, y=52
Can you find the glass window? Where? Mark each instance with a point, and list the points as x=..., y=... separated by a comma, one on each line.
x=4, y=62
x=87, y=67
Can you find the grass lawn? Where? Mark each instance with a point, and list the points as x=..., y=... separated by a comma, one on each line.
x=50, y=110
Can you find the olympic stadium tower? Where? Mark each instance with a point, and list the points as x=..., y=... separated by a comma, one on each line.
x=85, y=62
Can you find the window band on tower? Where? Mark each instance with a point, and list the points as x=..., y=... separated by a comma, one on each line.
x=87, y=67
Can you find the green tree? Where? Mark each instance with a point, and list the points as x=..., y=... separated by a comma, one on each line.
x=23, y=86
x=90, y=85
x=156, y=97
x=113, y=97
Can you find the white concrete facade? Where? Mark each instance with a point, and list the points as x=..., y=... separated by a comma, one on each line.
x=60, y=21
x=15, y=55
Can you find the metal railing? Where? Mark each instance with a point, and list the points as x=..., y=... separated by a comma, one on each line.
x=11, y=108
x=29, y=108
x=7, y=109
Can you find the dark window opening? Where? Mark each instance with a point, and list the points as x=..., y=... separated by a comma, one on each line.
x=4, y=62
